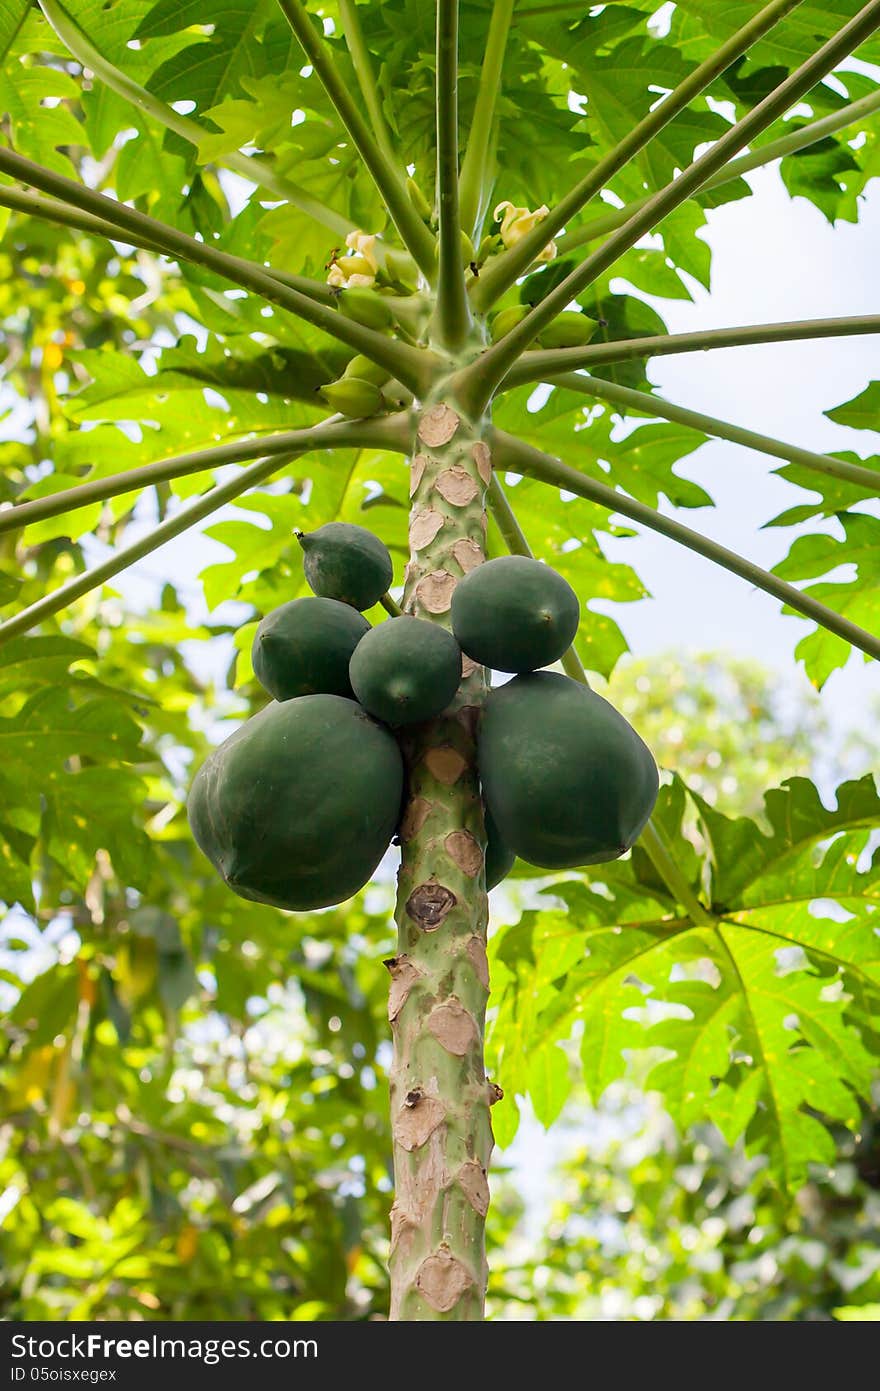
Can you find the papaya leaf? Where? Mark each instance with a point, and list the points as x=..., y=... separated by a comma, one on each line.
x=862, y=412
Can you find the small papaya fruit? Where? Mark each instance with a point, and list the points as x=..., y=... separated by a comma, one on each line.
x=514, y=614
x=570, y=329
x=304, y=648
x=419, y=201
x=352, y=396
x=406, y=670
x=566, y=779
x=365, y=307
x=489, y=246
x=357, y=265
x=366, y=370
x=506, y=319
x=346, y=562
x=399, y=268
x=299, y=805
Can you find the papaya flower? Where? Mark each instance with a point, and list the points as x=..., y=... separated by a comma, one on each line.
x=363, y=244
x=359, y=267
x=516, y=222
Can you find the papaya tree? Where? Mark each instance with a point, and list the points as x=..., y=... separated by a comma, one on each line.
x=362, y=237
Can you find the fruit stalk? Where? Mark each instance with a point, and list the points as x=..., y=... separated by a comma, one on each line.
x=440, y=1095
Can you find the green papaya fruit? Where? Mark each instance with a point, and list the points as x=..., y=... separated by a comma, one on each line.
x=365, y=307
x=406, y=670
x=299, y=805
x=346, y=562
x=353, y=397
x=366, y=370
x=499, y=859
x=304, y=648
x=567, y=780
x=419, y=201
x=399, y=268
x=506, y=319
x=571, y=329
x=356, y=265
x=514, y=614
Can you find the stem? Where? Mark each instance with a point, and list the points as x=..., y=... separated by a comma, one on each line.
x=121, y=560
x=473, y=186
x=551, y=362
x=516, y=542
x=330, y=434
x=366, y=78
x=765, y=154
x=523, y=458
x=452, y=319
x=483, y=376
x=407, y=364
x=249, y=166
x=501, y=273
x=51, y=210
x=390, y=606
x=643, y=402
x=413, y=232
x=655, y=845
x=440, y=1096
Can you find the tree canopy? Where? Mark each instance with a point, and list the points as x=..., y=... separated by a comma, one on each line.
x=192, y=1085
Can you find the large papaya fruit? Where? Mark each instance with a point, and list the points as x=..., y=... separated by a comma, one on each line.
x=299, y=805
x=304, y=648
x=514, y=614
x=406, y=670
x=499, y=858
x=567, y=780
x=346, y=562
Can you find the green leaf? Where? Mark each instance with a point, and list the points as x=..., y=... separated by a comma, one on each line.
x=549, y=1083
x=862, y=412
x=857, y=599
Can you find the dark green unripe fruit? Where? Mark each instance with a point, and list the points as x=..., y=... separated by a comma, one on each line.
x=514, y=614
x=346, y=562
x=406, y=670
x=304, y=648
x=567, y=780
x=299, y=805
x=499, y=859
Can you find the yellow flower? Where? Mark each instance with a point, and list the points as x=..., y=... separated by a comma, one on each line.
x=516, y=222
x=363, y=244
x=357, y=268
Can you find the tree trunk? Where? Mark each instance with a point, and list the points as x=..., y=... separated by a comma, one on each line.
x=440, y=1095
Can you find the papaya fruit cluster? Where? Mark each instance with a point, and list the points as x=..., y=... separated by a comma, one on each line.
x=299, y=805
